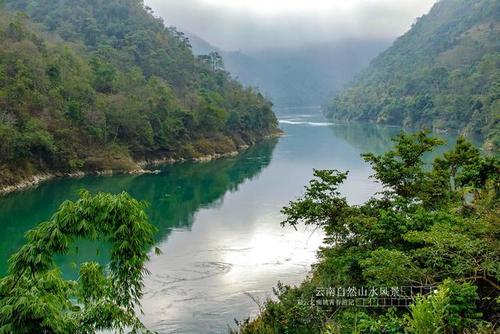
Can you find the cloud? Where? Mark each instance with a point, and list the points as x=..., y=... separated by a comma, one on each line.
x=259, y=24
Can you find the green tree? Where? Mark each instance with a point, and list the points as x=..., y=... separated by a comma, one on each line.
x=450, y=309
x=401, y=170
x=419, y=231
x=34, y=297
x=442, y=74
x=107, y=85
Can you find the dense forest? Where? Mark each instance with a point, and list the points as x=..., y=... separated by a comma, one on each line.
x=434, y=225
x=443, y=74
x=97, y=85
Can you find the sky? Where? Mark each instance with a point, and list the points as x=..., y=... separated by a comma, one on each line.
x=261, y=24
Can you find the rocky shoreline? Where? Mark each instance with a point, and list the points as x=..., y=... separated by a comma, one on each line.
x=206, y=158
x=142, y=167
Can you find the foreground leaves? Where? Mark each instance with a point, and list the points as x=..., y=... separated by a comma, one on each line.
x=34, y=297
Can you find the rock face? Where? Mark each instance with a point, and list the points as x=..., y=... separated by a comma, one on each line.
x=29, y=182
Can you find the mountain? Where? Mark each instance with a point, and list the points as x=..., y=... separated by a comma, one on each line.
x=443, y=74
x=302, y=76
x=95, y=85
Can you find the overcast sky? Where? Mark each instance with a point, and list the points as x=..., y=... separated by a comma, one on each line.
x=257, y=24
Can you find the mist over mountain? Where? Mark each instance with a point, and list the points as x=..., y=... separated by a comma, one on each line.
x=251, y=25
x=301, y=76
x=200, y=46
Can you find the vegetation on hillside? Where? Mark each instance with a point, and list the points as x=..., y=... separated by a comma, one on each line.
x=443, y=74
x=96, y=85
x=432, y=226
x=34, y=298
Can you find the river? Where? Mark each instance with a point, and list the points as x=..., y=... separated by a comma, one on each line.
x=222, y=245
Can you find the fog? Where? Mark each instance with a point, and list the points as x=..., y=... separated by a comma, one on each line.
x=259, y=24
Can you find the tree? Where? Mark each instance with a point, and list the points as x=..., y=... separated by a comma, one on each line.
x=401, y=170
x=34, y=297
x=419, y=231
x=106, y=82
x=438, y=75
x=213, y=60
x=464, y=154
x=451, y=309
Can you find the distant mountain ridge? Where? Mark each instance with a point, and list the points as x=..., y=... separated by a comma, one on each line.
x=442, y=74
x=303, y=76
x=199, y=45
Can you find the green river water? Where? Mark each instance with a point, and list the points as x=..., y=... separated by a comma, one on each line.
x=218, y=221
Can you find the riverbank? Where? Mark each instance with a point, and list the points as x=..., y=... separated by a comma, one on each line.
x=136, y=167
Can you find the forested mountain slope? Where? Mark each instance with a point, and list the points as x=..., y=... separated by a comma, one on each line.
x=89, y=85
x=442, y=74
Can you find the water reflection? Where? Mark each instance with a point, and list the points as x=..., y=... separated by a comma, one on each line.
x=174, y=196
x=376, y=138
x=366, y=137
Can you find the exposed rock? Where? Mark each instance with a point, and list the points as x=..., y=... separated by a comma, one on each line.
x=29, y=182
x=141, y=167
